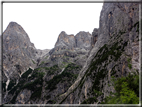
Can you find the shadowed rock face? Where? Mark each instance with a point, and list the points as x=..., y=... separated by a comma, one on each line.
x=94, y=37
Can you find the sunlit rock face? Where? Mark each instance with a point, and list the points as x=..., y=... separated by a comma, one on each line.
x=115, y=53
x=18, y=51
x=19, y=54
x=83, y=40
x=64, y=40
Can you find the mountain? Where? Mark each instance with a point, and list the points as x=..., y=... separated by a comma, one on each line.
x=79, y=69
x=19, y=54
x=115, y=53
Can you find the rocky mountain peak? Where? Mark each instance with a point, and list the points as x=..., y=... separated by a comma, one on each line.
x=83, y=40
x=80, y=40
x=13, y=24
x=15, y=36
x=65, y=40
x=16, y=27
x=80, y=75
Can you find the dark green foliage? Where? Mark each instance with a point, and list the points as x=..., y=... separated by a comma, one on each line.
x=13, y=90
x=130, y=66
x=51, y=102
x=11, y=84
x=37, y=93
x=66, y=75
x=97, y=93
x=16, y=89
x=33, y=62
x=56, y=79
x=129, y=60
x=51, y=70
x=137, y=25
x=33, y=85
x=48, y=96
x=129, y=63
x=127, y=90
x=36, y=74
x=90, y=100
x=4, y=86
x=98, y=72
x=40, y=69
x=42, y=63
x=30, y=85
x=26, y=74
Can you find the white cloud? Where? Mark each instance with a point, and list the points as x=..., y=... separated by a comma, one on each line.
x=43, y=22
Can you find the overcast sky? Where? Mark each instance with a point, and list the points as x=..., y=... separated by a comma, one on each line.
x=43, y=22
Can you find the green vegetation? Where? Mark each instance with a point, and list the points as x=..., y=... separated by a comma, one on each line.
x=137, y=24
x=46, y=57
x=66, y=75
x=16, y=89
x=33, y=62
x=51, y=102
x=52, y=70
x=48, y=96
x=11, y=84
x=26, y=74
x=41, y=63
x=129, y=63
x=98, y=72
x=130, y=66
x=35, y=86
x=90, y=100
x=127, y=90
x=4, y=86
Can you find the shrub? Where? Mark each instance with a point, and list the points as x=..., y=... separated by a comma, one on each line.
x=127, y=90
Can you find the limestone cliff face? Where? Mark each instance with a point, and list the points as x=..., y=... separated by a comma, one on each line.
x=79, y=68
x=58, y=68
x=18, y=51
x=66, y=41
x=83, y=40
x=94, y=37
x=117, y=42
x=19, y=54
x=80, y=40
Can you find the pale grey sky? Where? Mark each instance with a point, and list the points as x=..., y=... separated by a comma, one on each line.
x=43, y=22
